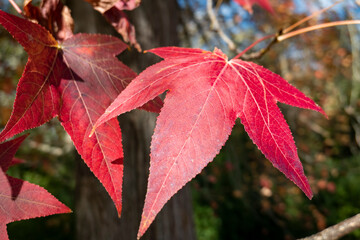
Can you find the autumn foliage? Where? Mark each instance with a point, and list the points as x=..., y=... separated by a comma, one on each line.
x=79, y=80
x=20, y=199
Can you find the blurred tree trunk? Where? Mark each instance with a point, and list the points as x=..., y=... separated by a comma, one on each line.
x=96, y=217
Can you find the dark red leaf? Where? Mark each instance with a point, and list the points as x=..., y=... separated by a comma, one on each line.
x=112, y=10
x=114, y=14
x=206, y=93
x=104, y=5
x=53, y=15
x=16, y=161
x=19, y=199
x=37, y=100
x=7, y=152
x=121, y=23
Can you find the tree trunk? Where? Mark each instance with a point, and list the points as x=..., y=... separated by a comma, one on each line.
x=96, y=216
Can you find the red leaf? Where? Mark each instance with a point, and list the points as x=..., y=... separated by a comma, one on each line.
x=119, y=20
x=102, y=5
x=7, y=152
x=247, y=5
x=37, y=100
x=76, y=81
x=3, y=232
x=127, y=4
x=206, y=93
x=19, y=199
x=112, y=10
x=16, y=161
x=53, y=15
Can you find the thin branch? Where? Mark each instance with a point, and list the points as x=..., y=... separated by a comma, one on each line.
x=232, y=46
x=218, y=3
x=216, y=26
x=260, y=52
x=315, y=14
x=337, y=231
x=279, y=36
x=17, y=8
x=312, y=28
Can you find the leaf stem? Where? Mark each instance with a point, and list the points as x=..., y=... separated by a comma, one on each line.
x=255, y=43
x=312, y=28
x=17, y=8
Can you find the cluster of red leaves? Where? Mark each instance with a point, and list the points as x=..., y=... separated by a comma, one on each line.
x=75, y=80
x=78, y=78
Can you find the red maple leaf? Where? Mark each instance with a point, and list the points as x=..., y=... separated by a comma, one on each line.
x=76, y=81
x=247, y=5
x=206, y=93
x=20, y=199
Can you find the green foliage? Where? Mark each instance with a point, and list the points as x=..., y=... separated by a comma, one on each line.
x=206, y=223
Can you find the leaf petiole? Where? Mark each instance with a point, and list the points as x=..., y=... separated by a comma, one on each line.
x=255, y=43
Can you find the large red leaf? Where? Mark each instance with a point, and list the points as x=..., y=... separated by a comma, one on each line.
x=76, y=81
x=206, y=93
x=19, y=199
x=247, y=5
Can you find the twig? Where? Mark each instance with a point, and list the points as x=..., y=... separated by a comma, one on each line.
x=317, y=13
x=337, y=231
x=17, y=8
x=319, y=26
x=280, y=36
x=232, y=46
x=216, y=26
x=286, y=33
x=259, y=53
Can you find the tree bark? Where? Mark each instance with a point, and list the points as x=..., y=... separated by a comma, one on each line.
x=96, y=216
